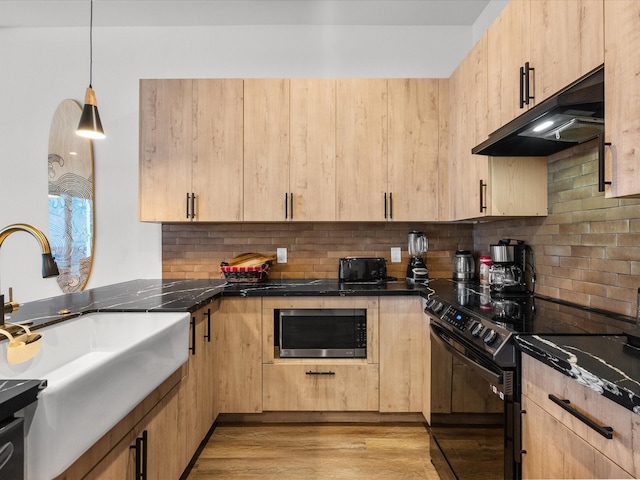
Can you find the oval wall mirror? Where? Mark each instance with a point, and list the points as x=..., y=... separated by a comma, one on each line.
x=70, y=164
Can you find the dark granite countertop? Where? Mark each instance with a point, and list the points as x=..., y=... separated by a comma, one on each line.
x=187, y=295
x=17, y=394
x=601, y=362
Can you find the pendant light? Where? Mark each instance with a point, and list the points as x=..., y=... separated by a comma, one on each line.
x=90, y=125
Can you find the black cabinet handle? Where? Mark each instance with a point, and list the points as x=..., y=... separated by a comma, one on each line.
x=192, y=348
x=208, y=335
x=286, y=206
x=385, y=205
x=391, y=205
x=187, y=204
x=320, y=373
x=291, y=203
x=521, y=87
x=606, y=432
x=141, y=456
x=601, y=144
x=527, y=83
x=483, y=189
x=193, y=205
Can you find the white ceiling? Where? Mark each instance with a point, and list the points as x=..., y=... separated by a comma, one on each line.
x=65, y=13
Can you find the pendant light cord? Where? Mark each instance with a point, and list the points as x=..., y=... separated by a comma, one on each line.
x=91, y=45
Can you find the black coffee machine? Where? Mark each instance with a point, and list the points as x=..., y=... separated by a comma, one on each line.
x=512, y=270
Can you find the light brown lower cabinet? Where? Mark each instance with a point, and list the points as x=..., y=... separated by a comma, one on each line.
x=320, y=387
x=560, y=445
x=150, y=448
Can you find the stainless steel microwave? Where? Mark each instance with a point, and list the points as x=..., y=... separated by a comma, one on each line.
x=322, y=333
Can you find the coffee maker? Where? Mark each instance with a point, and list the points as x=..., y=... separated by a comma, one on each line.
x=508, y=264
x=416, y=268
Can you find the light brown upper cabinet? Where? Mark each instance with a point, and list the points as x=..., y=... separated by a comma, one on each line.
x=483, y=186
x=413, y=148
x=266, y=149
x=387, y=147
x=312, y=172
x=361, y=149
x=289, y=169
x=622, y=97
x=191, y=150
x=538, y=47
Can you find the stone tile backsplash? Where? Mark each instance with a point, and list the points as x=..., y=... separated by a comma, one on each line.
x=587, y=250
x=196, y=250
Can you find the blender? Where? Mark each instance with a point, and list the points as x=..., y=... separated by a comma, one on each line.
x=416, y=268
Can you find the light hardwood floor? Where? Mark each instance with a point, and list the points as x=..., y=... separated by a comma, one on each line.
x=316, y=451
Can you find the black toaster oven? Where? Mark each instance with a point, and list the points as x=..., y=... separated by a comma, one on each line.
x=362, y=269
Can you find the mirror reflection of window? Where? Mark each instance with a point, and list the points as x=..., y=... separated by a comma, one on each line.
x=70, y=172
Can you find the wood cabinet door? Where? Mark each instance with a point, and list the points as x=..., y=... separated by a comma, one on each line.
x=413, y=142
x=218, y=149
x=508, y=40
x=401, y=354
x=567, y=42
x=166, y=149
x=517, y=186
x=622, y=97
x=266, y=150
x=312, y=170
x=237, y=337
x=467, y=91
x=361, y=149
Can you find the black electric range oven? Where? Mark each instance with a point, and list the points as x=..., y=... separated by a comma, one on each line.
x=475, y=372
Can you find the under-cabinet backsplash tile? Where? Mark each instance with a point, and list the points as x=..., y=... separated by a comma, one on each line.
x=196, y=250
x=587, y=250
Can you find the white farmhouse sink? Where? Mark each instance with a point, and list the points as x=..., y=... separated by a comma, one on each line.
x=98, y=367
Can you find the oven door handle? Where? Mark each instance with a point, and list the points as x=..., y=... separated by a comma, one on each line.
x=437, y=334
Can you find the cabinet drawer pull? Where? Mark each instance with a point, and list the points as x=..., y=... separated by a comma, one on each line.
x=521, y=87
x=286, y=206
x=391, y=205
x=141, y=456
x=527, y=83
x=187, y=203
x=193, y=205
x=606, y=432
x=601, y=144
x=208, y=335
x=385, y=205
x=320, y=373
x=291, y=204
x=483, y=191
x=192, y=348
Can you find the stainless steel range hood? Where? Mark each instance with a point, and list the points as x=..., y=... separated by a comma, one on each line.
x=572, y=116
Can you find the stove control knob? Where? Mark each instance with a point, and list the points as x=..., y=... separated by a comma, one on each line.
x=430, y=304
x=437, y=308
x=490, y=337
x=476, y=329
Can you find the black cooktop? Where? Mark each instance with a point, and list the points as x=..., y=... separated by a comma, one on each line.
x=528, y=313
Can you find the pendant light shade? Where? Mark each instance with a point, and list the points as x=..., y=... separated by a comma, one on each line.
x=90, y=125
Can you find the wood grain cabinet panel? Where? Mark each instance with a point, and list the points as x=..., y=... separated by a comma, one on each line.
x=402, y=351
x=266, y=149
x=583, y=453
x=191, y=146
x=622, y=96
x=361, y=149
x=413, y=148
x=321, y=387
x=237, y=355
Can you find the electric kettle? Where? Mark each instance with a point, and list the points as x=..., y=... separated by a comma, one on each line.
x=464, y=267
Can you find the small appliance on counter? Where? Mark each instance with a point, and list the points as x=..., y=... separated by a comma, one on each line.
x=362, y=269
x=509, y=268
x=464, y=267
x=416, y=268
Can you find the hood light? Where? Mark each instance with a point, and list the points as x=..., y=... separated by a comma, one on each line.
x=543, y=126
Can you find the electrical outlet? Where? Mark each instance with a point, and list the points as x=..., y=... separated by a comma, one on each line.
x=282, y=255
x=396, y=255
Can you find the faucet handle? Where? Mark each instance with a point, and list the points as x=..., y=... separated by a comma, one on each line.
x=10, y=294
x=10, y=306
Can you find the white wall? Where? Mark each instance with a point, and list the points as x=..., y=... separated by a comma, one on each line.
x=40, y=67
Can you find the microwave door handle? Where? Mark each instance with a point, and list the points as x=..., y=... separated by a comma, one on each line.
x=437, y=334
